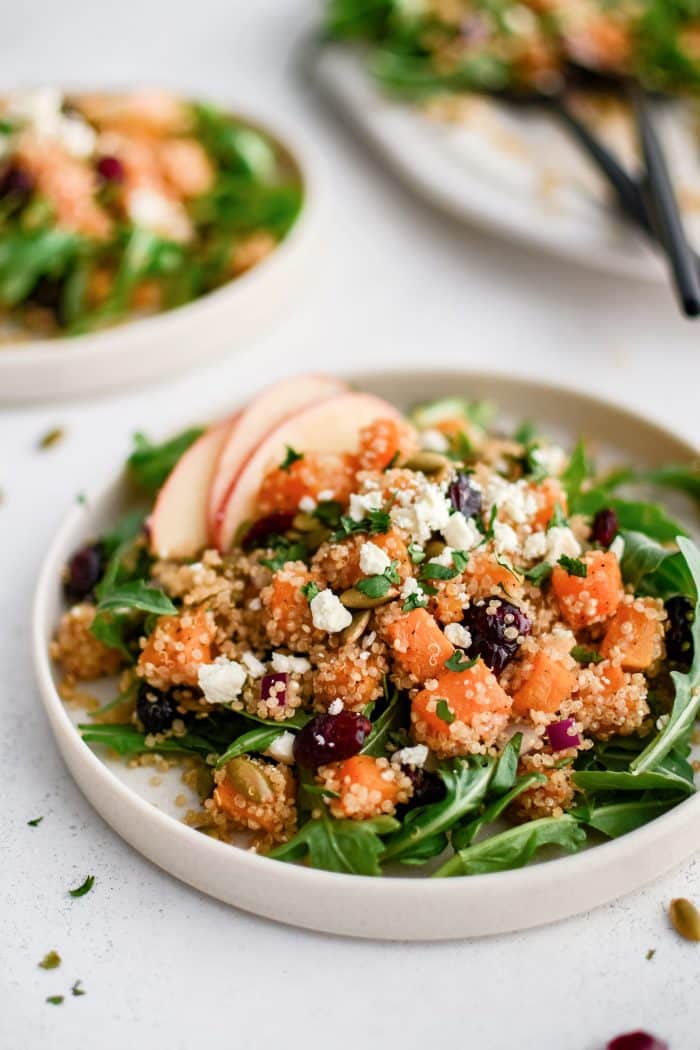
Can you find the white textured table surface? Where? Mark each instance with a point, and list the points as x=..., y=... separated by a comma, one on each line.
x=162, y=965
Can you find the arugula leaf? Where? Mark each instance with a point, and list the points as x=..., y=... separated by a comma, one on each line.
x=136, y=595
x=126, y=740
x=653, y=569
x=515, y=847
x=433, y=571
x=429, y=414
x=84, y=887
x=27, y=255
x=594, y=781
x=578, y=470
x=291, y=457
x=149, y=465
x=350, y=846
x=618, y=818
x=526, y=432
x=389, y=720
x=127, y=528
x=328, y=512
x=466, y=782
x=463, y=836
x=539, y=574
x=296, y=721
x=254, y=740
x=686, y=703
x=506, y=771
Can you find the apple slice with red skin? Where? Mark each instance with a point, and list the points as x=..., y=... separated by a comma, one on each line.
x=330, y=426
x=266, y=411
x=178, y=523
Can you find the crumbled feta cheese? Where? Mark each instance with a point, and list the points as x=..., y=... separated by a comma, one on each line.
x=617, y=547
x=550, y=458
x=157, y=213
x=373, y=560
x=363, y=502
x=458, y=636
x=422, y=511
x=41, y=110
x=411, y=756
x=515, y=500
x=335, y=707
x=410, y=586
x=434, y=441
x=505, y=538
x=461, y=533
x=535, y=546
x=328, y=612
x=222, y=681
x=282, y=747
x=255, y=604
x=284, y=664
x=561, y=541
x=325, y=495
x=444, y=558
x=307, y=504
x=254, y=667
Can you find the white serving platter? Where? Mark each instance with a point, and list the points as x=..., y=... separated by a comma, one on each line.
x=410, y=907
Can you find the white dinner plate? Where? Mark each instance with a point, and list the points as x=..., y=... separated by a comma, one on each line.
x=513, y=171
x=410, y=907
x=160, y=346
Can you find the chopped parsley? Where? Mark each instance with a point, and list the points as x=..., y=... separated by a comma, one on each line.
x=416, y=553
x=583, y=655
x=84, y=887
x=434, y=571
x=328, y=512
x=459, y=661
x=539, y=573
x=76, y=989
x=55, y=1000
x=35, y=823
x=51, y=961
x=377, y=586
x=376, y=521
x=291, y=457
x=460, y=560
x=443, y=711
x=284, y=550
x=573, y=566
x=558, y=518
x=310, y=590
x=415, y=600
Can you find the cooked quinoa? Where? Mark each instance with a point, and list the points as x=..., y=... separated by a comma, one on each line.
x=435, y=623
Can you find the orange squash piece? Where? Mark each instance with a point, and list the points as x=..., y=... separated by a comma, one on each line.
x=547, y=685
x=314, y=473
x=176, y=648
x=418, y=645
x=381, y=442
x=490, y=576
x=467, y=693
x=589, y=599
x=364, y=772
x=549, y=494
x=634, y=636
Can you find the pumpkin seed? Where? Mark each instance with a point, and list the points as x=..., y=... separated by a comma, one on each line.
x=358, y=626
x=434, y=548
x=304, y=522
x=205, y=782
x=354, y=599
x=427, y=462
x=248, y=778
x=685, y=918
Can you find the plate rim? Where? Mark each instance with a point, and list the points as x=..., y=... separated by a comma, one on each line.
x=366, y=892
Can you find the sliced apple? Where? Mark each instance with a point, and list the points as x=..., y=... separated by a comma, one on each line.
x=178, y=524
x=259, y=418
x=330, y=426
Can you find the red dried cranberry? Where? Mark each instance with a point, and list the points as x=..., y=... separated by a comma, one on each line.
x=497, y=628
x=605, y=527
x=679, y=634
x=83, y=572
x=464, y=495
x=262, y=529
x=110, y=169
x=330, y=738
x=156, y=710
x=427, y=787
x=269, y=686
x=16, y=183
x=637, y=1041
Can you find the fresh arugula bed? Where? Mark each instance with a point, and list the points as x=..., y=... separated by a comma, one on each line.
x=623, y=783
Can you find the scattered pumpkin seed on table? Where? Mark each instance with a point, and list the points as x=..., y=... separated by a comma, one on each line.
x=685, y=918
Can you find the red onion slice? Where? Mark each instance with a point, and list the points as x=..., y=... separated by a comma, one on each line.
x=562, y=735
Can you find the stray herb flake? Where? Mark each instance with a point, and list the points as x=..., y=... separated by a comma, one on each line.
x=416, y=600
x=55, y=1000
x=310, y=590
x=539, y=574
x=434, y=571
x=443, y=711
x=460, y=560
x=583, y=655
x=35, y=823
x=558, y=518
x=573, y=566
x=650, y=954
x=376, y=521
x=290, y=458
x=459, y=662
x=416, y=553
x=76, y=989
x=52, y=437
x=51, y=961
x=84, y=888
x=329, y=513
x=377, y=586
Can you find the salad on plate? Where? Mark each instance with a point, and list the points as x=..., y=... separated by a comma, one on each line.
x=376, y=642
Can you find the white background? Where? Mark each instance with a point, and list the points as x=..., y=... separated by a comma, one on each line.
x=397, y=284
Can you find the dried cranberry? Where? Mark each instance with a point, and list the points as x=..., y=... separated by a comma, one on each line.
x=83, y=572
x=679, y=634
x=270, y=685
x=110, y=169
x=16, y=183
x=427, y=787
x=262, y=529
x=637, y=1041
x=605, y=527
x=464, y=495
x=497, y=628
x=331, y=738
x=156, y=710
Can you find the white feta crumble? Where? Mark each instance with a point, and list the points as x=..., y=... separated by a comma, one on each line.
x=373, y=560
x=444, y=558
x=515, y=500
x=505, y=538
x=335, y=706
x=255, y=604
x=157, y=213
x=410, y=586
x=535, y=546
x=254, y=667
x=411, y=756
x=41, y=109
x=458, y=635
x=461, y=533
x=328, y=612
x=284, y=664
x=282, y=747
x=222, y=681
x=434, y=441
x=550, y=458
x=325, y=495
x=561, y=541
x=617, y=547
x=363, y=502
x=421, y=512
x=307, y=504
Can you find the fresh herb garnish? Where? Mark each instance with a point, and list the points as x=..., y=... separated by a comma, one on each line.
x=460, y=560
x=284, y=550
x=328, y=512
x=515, y=847
x=416, y=600
x=558, y=518
x=459, y=661
x=378, y=585
x=374, y=522
x=583, y=655
x=539, y=574
x=291, y=457
x=84, y=887
x=310, y=590
x=573, y=566
x=35, y=823
x=76, y=988
x=444, y=712
x=434, y=571
x=416, y=553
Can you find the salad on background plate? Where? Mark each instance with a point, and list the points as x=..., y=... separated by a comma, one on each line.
x=375, y=642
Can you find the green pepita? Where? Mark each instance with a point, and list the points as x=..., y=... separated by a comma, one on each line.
x=427, y=462
x=354, y=599
x=685, y=918
x=434, y=548
x=358, y=626
x=248, y=778
x=304, y=522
